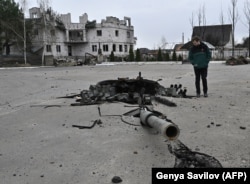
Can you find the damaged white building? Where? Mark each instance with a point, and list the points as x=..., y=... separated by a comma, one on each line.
x=63, y=39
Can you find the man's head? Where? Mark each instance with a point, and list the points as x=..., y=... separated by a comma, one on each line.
x=196, y=40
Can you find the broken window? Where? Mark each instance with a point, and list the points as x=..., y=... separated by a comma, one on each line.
x=48, y=48
x=116, y=33
x=99, y=32
x=79, y=34
x=69, y=50
x=105, y=48
x=58, y=48
x=94, y=48
x=125, y=48
x=128, y=34
x=34, y=15
x=114, y=48
x=120, y=48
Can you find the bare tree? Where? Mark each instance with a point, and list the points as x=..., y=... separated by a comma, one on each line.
x=222, y=18
x=234, y=17
x=247, y=14
x=191, y=20
x=202, y=20
x=222, y=31
x=199, y=18
x=163, y=43
x=44, y=6
x=24, y=5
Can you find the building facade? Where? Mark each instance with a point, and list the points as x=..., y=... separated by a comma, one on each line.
x=57, y=37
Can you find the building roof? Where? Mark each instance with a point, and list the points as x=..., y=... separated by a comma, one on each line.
x=189, y=44
x=217, y=35
x=178, y=46
x=144, y=50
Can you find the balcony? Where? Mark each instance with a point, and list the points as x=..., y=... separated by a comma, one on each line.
x=76, y=36
x=76, y=41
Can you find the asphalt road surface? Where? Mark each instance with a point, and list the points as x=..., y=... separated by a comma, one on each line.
x=38, y=144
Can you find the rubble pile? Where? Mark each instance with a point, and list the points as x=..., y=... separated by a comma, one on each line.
x=67, y=62
x=237, y=61
x=128, y=91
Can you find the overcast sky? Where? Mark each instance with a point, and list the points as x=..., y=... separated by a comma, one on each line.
x=154, y=19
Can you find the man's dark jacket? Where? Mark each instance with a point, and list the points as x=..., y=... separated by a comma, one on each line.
x=199, y=55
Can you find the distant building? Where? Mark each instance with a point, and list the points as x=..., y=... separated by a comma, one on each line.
x=218, y=38
x=216, y=35
x=66, y=40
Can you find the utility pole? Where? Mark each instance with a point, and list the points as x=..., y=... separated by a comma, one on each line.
x=44, y=37
x=249, y=39
x=24, y=40
x=23, y=2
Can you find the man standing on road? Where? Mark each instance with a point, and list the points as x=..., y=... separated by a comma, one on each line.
x=199, y=56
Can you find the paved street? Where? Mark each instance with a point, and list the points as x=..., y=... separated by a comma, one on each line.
x=38, y=144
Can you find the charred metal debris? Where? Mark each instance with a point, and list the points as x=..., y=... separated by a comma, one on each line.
x=135, y=91
x=141, y=92
x=129, y=91
x=186, y=158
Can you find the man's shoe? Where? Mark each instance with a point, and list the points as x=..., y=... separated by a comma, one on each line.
x=198, y=95
x=205, y=95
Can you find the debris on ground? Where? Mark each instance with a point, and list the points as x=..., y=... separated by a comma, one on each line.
x=142, y=92
x=185, y=158
x=67, y=62
x=237, y=61
x=116, y=179
x=128, y=91
x=98, y=122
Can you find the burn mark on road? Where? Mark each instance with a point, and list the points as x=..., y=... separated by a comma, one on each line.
x=185, y=158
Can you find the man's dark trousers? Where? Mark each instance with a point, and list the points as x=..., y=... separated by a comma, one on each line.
x=200, y=73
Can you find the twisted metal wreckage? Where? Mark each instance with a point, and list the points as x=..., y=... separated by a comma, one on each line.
x=136, y=91
x=130, y=91
x=142, y=92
